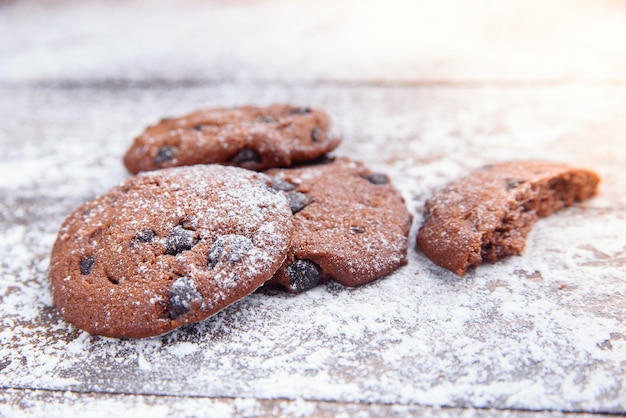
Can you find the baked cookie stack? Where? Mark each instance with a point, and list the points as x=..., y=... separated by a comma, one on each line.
x=225, y=200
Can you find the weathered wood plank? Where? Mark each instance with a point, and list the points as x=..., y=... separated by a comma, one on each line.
x=419, y=131
x=421, y=92
x=400, y=40
x=541, y=331
x=54, y=404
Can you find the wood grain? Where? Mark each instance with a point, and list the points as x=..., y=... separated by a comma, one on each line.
x=421, y=91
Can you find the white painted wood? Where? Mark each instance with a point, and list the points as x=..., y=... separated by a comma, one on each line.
x=351, y=40
x=543, y=331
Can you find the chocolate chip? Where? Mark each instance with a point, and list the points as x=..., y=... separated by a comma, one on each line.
x=357, y=229
x=246, y=155
x=512, y=184
x=266, y=119
x=229, y=248
x=300, y=110
x=303, y=275
x=316, y=134
x=145, y=235
x=165, y=153
x=239, y=246
x=376, y=178
x=214, y=255
x=324, y=159
x=182, y=292
x=297, y=201
x=86, y=265
x=179, y=240
x=199, y=127
x=282, y=185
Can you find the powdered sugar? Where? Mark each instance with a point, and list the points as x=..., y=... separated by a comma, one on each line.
x=544, y=330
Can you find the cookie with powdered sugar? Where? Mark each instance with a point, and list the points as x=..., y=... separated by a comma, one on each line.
x=350, y=225
x=252, y=137
x=168, y=248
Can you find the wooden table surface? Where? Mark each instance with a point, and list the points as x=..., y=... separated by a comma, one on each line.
x=424, y=91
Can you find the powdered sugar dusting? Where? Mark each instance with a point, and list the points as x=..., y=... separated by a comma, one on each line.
x=544, y=330
x=190, y=234
x=352, y=226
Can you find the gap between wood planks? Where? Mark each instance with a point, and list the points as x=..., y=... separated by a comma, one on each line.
x=318, y=403
x=121, y=84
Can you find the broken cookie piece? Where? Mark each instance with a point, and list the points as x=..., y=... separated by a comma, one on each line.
x=487, y=214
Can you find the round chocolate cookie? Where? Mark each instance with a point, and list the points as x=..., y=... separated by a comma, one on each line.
x=168, y=248
x=487, y=214
x=350, y=225
x=251, y=137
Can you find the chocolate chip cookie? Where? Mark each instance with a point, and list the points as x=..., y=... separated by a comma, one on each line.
x=488, y=214
x=250, y=136
x=167, y=248
x=350, y=225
